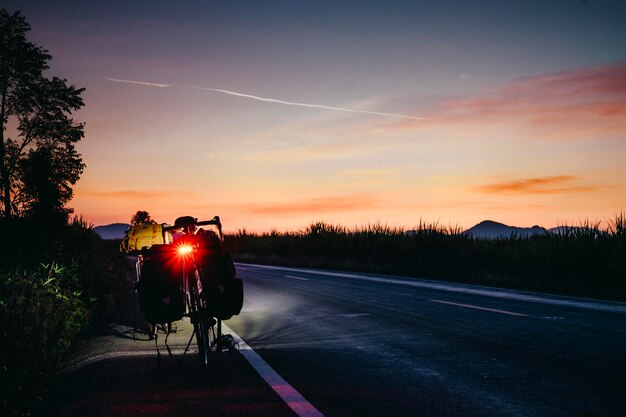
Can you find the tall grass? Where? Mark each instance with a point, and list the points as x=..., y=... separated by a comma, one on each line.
x=586, y=260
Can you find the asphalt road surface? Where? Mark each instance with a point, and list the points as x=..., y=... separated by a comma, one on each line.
x=342, y=344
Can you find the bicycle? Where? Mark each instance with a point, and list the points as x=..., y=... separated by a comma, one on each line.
x=179, y=262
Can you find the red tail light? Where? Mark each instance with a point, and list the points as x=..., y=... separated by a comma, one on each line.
x=184, y=250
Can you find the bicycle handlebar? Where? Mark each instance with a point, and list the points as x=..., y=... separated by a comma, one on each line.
x=214, y=221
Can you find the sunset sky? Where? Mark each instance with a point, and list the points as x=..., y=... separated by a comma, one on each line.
x=274, y=114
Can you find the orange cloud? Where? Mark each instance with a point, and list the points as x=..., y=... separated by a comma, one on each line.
x=316, y=205
x=543, y=185
x=580, y=101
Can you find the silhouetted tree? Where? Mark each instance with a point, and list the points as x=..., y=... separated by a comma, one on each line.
x=38, y=109
x=45, y=177
x=140, y=217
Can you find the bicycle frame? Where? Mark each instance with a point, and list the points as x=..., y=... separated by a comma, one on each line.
x=195, y=305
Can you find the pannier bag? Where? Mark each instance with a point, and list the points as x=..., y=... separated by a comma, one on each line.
x=143, y=236
x=216, y=264
x=160, y=293
x=226, y=300
x=223, y=292
x=233, y=295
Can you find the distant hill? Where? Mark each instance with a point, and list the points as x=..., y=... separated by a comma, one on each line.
x=112, y=231
x=489, y=229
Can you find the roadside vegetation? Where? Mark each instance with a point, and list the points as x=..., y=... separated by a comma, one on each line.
x=588, y=260
x=55, y=285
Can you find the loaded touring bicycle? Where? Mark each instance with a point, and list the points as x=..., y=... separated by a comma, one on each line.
x=184, y=271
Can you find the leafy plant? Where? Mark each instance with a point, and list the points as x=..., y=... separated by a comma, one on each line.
x=39, y=320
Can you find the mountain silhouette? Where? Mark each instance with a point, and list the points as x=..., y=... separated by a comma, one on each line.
x=112, y=231
x=489, y=229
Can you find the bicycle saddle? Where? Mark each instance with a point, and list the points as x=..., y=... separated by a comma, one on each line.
x=185, y=221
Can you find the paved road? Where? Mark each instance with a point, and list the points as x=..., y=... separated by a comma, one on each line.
x=365, y=345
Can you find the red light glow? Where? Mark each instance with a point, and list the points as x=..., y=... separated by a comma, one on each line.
x=184, y=250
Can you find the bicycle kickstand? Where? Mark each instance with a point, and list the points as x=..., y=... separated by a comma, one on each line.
x=189, y=343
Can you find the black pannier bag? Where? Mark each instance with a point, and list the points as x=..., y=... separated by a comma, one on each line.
x=161, y=297
x=223, y=292
x=224, y=301
x=233, y=294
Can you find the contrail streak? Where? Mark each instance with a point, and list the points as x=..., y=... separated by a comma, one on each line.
x=138, y=82
x=267, y=99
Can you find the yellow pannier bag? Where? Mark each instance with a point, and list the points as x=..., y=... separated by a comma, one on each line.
x=143, y=236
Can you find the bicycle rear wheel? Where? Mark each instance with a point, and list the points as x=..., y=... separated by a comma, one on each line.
x=200, y=320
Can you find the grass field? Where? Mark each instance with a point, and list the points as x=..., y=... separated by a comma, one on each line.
x=587, y=260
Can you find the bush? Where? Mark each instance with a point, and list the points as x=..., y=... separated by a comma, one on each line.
x=54, y=283
x=40, y=319
x=99, y=269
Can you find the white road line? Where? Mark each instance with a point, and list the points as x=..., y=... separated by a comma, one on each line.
x=493, y=310
x=290, y=396
x=588, y=304
x=300, y=278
